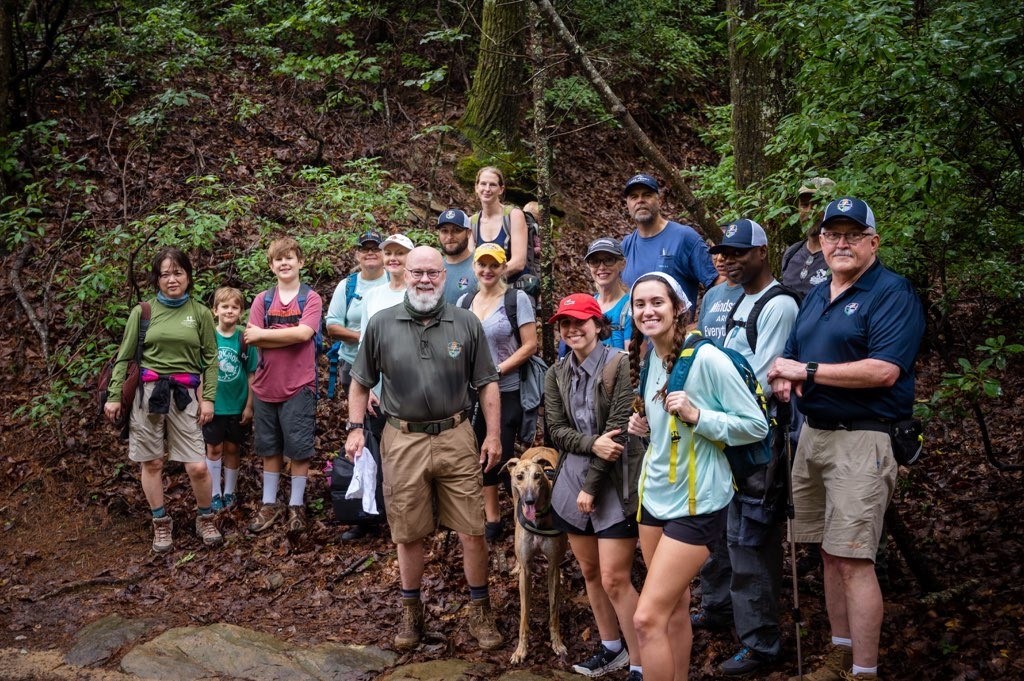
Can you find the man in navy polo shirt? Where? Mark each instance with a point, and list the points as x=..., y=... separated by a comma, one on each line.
x=850, y=358
x=660, y=245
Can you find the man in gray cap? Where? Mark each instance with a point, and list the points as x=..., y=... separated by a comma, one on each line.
x=453, y=235
x=660, y=245
x=803, y=263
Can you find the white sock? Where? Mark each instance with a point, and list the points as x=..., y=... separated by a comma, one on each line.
x=865, y=670
x=842, y=642
x=270, y=481
x=298, y=490
x=636, y=668
x=214, y=468
x=614, y=646
x=230, y=480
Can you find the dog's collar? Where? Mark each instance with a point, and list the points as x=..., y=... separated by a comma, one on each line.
x=532, y=527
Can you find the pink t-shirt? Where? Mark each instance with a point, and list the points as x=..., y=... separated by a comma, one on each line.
x=283, y=372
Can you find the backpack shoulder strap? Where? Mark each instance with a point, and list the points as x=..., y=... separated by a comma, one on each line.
x=730, y=319
x=755, y=311
x=268, y=300
x=467, y=300
x=474, y=224
x=790, y=252
x=681, y=368
x=611, y=368
x=512, y=312
x=304, y=290
x=350, y=291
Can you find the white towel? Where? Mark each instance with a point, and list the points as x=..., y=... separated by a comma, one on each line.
x=364, y=482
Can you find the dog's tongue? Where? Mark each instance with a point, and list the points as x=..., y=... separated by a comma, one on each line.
x=530, y=511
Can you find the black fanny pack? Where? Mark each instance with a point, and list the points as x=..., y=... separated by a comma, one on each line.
x=907, y=441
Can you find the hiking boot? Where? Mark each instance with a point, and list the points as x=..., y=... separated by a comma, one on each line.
x=206, y=528
x=481, y=624
x=602, y=662
x=163, y=528
x=702, y=619
x=411, y=632
x=217, y=503
x=836, y=661
x=357, y=532
x=296, y=519
x=746, y=661
x=266, y=516
x=229, y=501
x=863, y=676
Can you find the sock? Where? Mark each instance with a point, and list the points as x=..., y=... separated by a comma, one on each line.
x=214, y=467
x=230, y=480
x=865, y=670
x=842, y=642
x=158, y=512
x=612, y=646
x=270, y=481
x=298, y=490
x=478, y=592
x=204, y=510
x=410, y=593
x=636, y=668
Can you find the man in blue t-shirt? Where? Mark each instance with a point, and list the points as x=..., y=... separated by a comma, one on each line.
x=660, y=245
x=850, y=358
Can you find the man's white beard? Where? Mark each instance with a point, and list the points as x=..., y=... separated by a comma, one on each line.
x=422, y=301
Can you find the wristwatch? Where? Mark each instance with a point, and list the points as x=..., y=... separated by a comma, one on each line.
x=812, y=368
x=354, y=426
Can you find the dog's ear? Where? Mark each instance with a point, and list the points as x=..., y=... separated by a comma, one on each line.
x=512, y=463
x=546, y=463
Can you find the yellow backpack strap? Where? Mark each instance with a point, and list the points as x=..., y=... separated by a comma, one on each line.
x=640, y=486
x=691, y=464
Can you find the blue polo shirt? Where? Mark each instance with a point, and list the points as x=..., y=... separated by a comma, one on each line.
x=879, y=317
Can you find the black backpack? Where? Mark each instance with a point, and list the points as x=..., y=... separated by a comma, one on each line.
x=750, y=324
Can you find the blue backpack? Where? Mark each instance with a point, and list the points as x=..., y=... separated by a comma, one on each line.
x=744, y=460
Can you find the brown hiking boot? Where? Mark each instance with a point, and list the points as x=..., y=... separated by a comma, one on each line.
x=162, y=531
x=266, y=516
x=481, y=624
x=412, y=624
x=207, y=530
x=836, y=662
x=296, y=519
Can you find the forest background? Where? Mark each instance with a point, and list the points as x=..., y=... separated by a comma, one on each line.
x=215, y=126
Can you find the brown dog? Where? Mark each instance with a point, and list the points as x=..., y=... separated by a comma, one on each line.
x=531, y=493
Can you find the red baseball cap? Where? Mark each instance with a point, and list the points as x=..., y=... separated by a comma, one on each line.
x=580, y=306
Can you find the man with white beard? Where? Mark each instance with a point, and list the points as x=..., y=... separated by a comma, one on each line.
x=428, y=354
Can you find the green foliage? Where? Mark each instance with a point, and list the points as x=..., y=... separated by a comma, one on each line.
x=908, y=107
x=973, y=381
x=575, y=99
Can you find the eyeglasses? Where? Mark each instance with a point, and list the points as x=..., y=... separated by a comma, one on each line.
x=852, y=238
x=598, y=261
x=176, y=274
x=432, y=275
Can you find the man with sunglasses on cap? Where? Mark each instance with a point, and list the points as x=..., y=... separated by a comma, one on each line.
x=453, y=230
x=660, y=245
x=803, y=263
x=850, y=359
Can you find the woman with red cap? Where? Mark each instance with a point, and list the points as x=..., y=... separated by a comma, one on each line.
x=587, y=405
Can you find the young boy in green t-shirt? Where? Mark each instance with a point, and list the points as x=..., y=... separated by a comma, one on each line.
x=232, y=410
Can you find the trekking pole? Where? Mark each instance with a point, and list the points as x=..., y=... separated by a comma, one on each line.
x=790, y=515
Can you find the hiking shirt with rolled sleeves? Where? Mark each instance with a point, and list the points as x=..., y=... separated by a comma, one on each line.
x=714, y=311
x=459, y=279
x=878, y=317
x=180, y=340
x=774, y=324
x=283, y=372
x=427, y=369
x=729, y=415
x=676, y=250
x=351, y=317
x=233, y=374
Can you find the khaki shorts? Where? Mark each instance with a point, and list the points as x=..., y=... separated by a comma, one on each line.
x=176, y=433
x=422, y=472
x=842, y=483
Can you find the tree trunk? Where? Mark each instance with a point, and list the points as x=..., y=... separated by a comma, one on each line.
x=7, y=10
x=615, y=107
x=758, y=100
x=495, y=99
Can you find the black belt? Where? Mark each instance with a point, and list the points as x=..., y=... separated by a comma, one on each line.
x=428, y=427
x=867, y=424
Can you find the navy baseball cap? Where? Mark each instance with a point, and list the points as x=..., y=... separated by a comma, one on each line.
x=645, y=180
x=453, y=216
x=852, y=209
x=371, y=237
x=741, y=234
x=604, y=245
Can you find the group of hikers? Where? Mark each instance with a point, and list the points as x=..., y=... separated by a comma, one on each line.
x=644, y=405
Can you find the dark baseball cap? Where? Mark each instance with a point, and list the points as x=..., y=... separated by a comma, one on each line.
x=453, y=216
x=371, y=237
x=643, y=179
x=743, y=233
x=604, y=245
x=852, y=209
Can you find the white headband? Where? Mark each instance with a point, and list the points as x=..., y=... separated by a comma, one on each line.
x=672, y=283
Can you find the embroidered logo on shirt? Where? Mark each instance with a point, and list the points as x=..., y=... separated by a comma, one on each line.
x=190, y=322
x=851, y=308
x=454, y=349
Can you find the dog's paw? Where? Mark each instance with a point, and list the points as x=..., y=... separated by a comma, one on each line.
x=519, y=655
x=559, y=648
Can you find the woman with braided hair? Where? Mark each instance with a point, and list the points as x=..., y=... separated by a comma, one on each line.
x=685, y=480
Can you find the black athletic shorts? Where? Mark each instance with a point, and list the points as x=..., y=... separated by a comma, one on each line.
x=699, y=530
x=226, y=428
